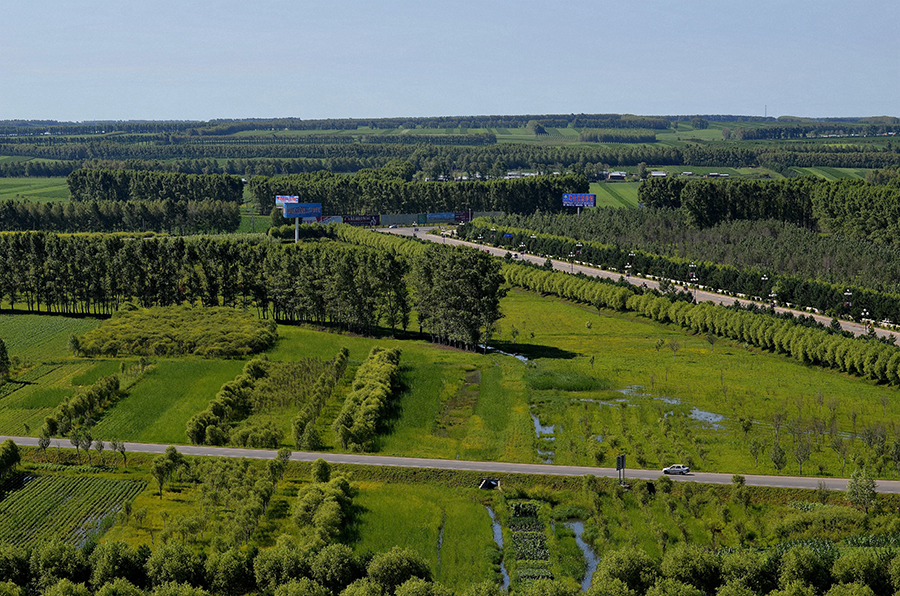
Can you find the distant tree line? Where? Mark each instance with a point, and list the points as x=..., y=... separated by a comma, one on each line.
x=750, y=280
x=761, y=247
x=812, y=129
x=851, y=208
x=616, y=136
x=487, y=159
x=353, y=287
x=229, y=127
x=186, y=217
x=89, y=184
x=380, y=191
x=37, y=168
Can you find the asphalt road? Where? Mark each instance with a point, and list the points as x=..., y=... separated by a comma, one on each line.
x=700, y=294
x=499, y=468
x=494, y=468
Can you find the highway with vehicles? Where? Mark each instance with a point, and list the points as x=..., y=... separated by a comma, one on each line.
x=488, y=468
x=700, y=294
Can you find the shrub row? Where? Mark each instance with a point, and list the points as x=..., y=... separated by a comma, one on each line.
x=872, y=359
x=304, y=425
x=9, y=458
x=751, y=281
x=231, y=404
x=83, y=407
x=374, y=388
x=177, y=331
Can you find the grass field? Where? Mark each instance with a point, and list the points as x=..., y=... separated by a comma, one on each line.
x=451, y=529
x=650, y=409
x=605, y=384
x=616, y=194
x=158, y=407
x=34, y=189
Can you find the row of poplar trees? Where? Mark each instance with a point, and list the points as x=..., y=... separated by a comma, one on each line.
x=455, y=291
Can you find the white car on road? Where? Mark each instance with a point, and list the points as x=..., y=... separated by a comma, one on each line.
x=676, y=469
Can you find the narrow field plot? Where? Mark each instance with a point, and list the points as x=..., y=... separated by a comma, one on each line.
x=158, y=407
x=616, y=194
x=41, y=508
x=26, y=401
x=40, y=337
x=35, y=189
x=449, y=529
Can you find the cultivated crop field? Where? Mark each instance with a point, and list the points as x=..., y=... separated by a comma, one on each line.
x=34, y=189
x=35, y=338
x=38, y=508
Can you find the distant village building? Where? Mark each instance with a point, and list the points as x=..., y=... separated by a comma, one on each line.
x=614, y=176
x=658, y=174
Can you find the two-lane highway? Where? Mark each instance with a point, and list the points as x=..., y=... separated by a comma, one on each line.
x=700, y=295
x=493, y=468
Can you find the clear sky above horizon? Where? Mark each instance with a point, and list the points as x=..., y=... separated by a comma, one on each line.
x=188, y=60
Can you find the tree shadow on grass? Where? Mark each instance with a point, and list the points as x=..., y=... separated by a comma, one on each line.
x=535, y=351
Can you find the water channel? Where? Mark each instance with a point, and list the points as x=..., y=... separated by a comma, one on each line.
x=498, y=538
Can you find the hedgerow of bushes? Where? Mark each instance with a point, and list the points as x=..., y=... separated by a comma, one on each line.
x=304, y=425
x=178, y=331
x=867, y=358
x=83, y=407
x=261, y=386
x=375, y=387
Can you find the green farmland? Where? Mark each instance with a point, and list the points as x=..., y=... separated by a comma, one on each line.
x=602, y=382
x=560, y=382
x=34, y=189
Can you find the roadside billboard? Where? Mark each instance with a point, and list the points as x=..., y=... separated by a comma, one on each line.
x=578, y=199
x=303, y=210
x=441, y=217
x=362, y=220
x=280, y=200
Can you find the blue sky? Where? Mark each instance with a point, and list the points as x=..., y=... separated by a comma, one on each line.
x=188, y=60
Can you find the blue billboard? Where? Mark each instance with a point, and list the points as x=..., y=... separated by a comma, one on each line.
x=578, y=199
x=303, y=210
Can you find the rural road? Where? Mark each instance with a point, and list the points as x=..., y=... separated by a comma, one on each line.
x=699, y=294
x=494, y=468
